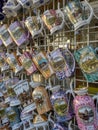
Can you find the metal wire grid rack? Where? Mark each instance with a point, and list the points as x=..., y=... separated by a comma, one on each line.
x=87, y=35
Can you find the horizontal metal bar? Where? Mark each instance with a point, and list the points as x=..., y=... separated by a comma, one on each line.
x=89, y=41
x=80, y=80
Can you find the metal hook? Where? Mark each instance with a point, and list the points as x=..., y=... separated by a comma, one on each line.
x=69, y=126
x=18, y=53
x=49, y=118
x=71, y=87
x=12, y=74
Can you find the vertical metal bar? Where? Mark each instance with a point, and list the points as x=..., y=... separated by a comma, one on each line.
x=88, y=38
x=63, y=3
x=75, y=44
x=88, y=30
x=63, y=33
x=54, y=4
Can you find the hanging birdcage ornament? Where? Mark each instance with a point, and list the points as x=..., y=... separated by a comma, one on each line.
x=15, y=104
x=9, y=86
x=37, y=77
x=76, y=13
x=84, y=108
x=95, y=98
x=11, y=8
x=12, y=116
x=41, y=122
x=5, y=37
x=3, y=116
x=23, y=92
x=41, y=100
x=43, y=65
x=3, y=65
x=54, y=19
x=1, y=45
x=13, y=62
x=61, y=104
x=18, y=33
x=62, y=62
x=27, y=116
x=12, y=101
x=26, y=4
x=88, y=62
x=34, y=25
x=27, y=63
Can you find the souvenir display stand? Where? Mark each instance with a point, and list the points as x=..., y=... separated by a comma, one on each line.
x=48, y=65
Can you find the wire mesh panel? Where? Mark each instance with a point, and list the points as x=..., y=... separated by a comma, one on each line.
x=65, y=38
x=73, y=40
